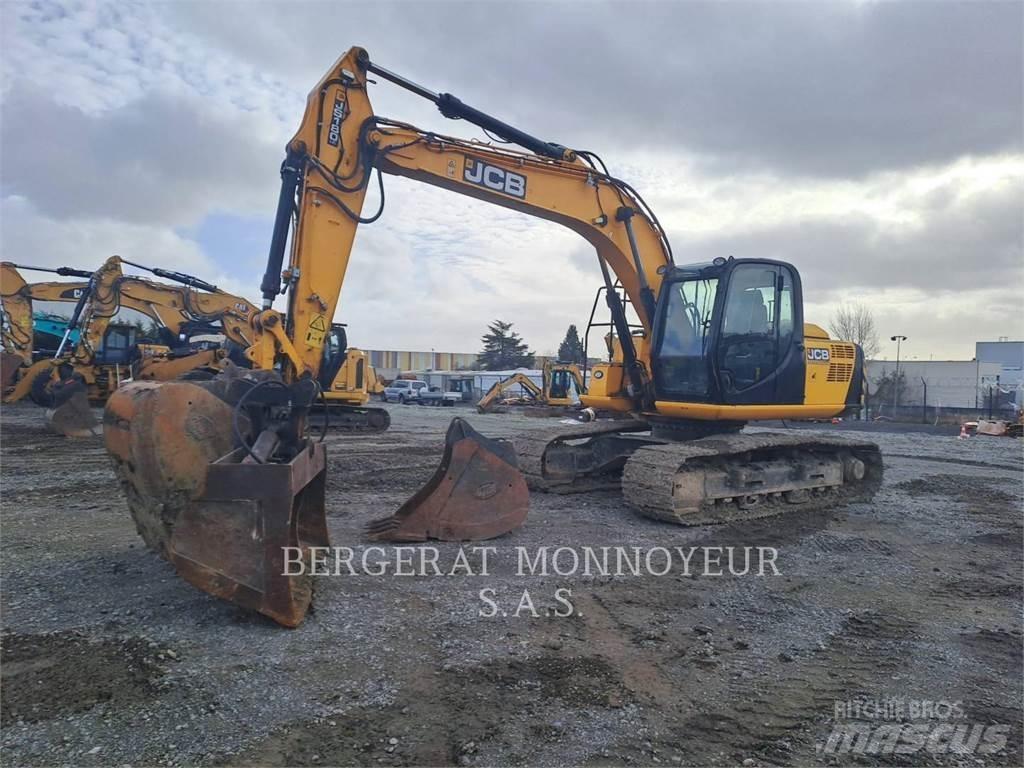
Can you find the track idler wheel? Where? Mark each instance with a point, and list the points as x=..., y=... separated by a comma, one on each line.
x=477, y=493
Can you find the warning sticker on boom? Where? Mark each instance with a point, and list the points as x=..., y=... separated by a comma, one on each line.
x=316, y=331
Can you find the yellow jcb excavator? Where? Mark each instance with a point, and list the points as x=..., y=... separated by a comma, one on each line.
x=560, y=380
x=722, y=344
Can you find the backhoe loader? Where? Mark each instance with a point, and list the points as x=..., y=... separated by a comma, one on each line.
x=554, y=397
x=108, y=354
x=721, y=344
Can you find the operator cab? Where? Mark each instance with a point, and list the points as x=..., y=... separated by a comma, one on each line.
x=730, y=332
x=117, y=345
x=464, y=386
x=563, y=386
x=335, y=346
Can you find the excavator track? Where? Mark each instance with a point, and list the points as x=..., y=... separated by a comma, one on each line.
x=727, y=478
x=549, y=468
x=351, y=418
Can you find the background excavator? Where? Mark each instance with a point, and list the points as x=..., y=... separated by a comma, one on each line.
x=719, y=345
x=108, y=354
x=16, y=314
x=555, y=395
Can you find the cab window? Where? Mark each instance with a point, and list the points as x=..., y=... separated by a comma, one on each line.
x=785, y=311
x=681, y=367
x=757, y=325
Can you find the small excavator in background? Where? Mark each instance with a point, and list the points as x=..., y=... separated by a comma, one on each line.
x=554, y=398
x=720, y=344
x=107, y=353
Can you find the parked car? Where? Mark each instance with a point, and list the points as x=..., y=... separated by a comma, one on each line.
x=402, y=391
x=434, y=396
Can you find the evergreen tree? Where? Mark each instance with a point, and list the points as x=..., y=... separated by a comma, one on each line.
x=890, y=389
x=571, y=348
x=504, y=349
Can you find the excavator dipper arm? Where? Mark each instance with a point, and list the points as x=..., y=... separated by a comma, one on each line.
x=500, y=387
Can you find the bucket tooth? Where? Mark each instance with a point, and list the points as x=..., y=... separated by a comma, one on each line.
x=476, y=493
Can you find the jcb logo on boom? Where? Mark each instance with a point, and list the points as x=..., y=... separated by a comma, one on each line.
x=492, y=177
x=818, y=355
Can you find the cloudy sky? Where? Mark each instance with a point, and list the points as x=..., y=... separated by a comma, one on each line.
x=876, y=145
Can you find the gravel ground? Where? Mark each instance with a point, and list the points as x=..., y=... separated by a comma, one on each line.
x=110, y=659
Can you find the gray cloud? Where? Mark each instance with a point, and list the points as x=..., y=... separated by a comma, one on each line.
x=762, y=123
x=961, y=242
x=161, y=159
x=836, y=89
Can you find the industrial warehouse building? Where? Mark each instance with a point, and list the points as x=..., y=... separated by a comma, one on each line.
x=390, y=364
x=949, y=383
x=994, y=378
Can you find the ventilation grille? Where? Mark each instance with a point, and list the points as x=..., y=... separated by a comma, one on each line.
x=843, y=351
x=840, y=371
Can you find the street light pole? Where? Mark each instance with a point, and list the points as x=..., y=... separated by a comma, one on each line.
x=896, y=380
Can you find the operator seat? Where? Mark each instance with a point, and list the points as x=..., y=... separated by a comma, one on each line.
x=751, y=356
x=747, y=314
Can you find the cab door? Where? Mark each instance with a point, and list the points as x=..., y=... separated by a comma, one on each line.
x=333, y=356
x=759, y=345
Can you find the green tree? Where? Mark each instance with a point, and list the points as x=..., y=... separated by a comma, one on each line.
x=571, y=348
x=503, y=348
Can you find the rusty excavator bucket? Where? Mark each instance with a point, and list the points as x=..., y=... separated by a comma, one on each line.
x=69, y=412
x=476, y=493
x=243, y=530
x=226, y=522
